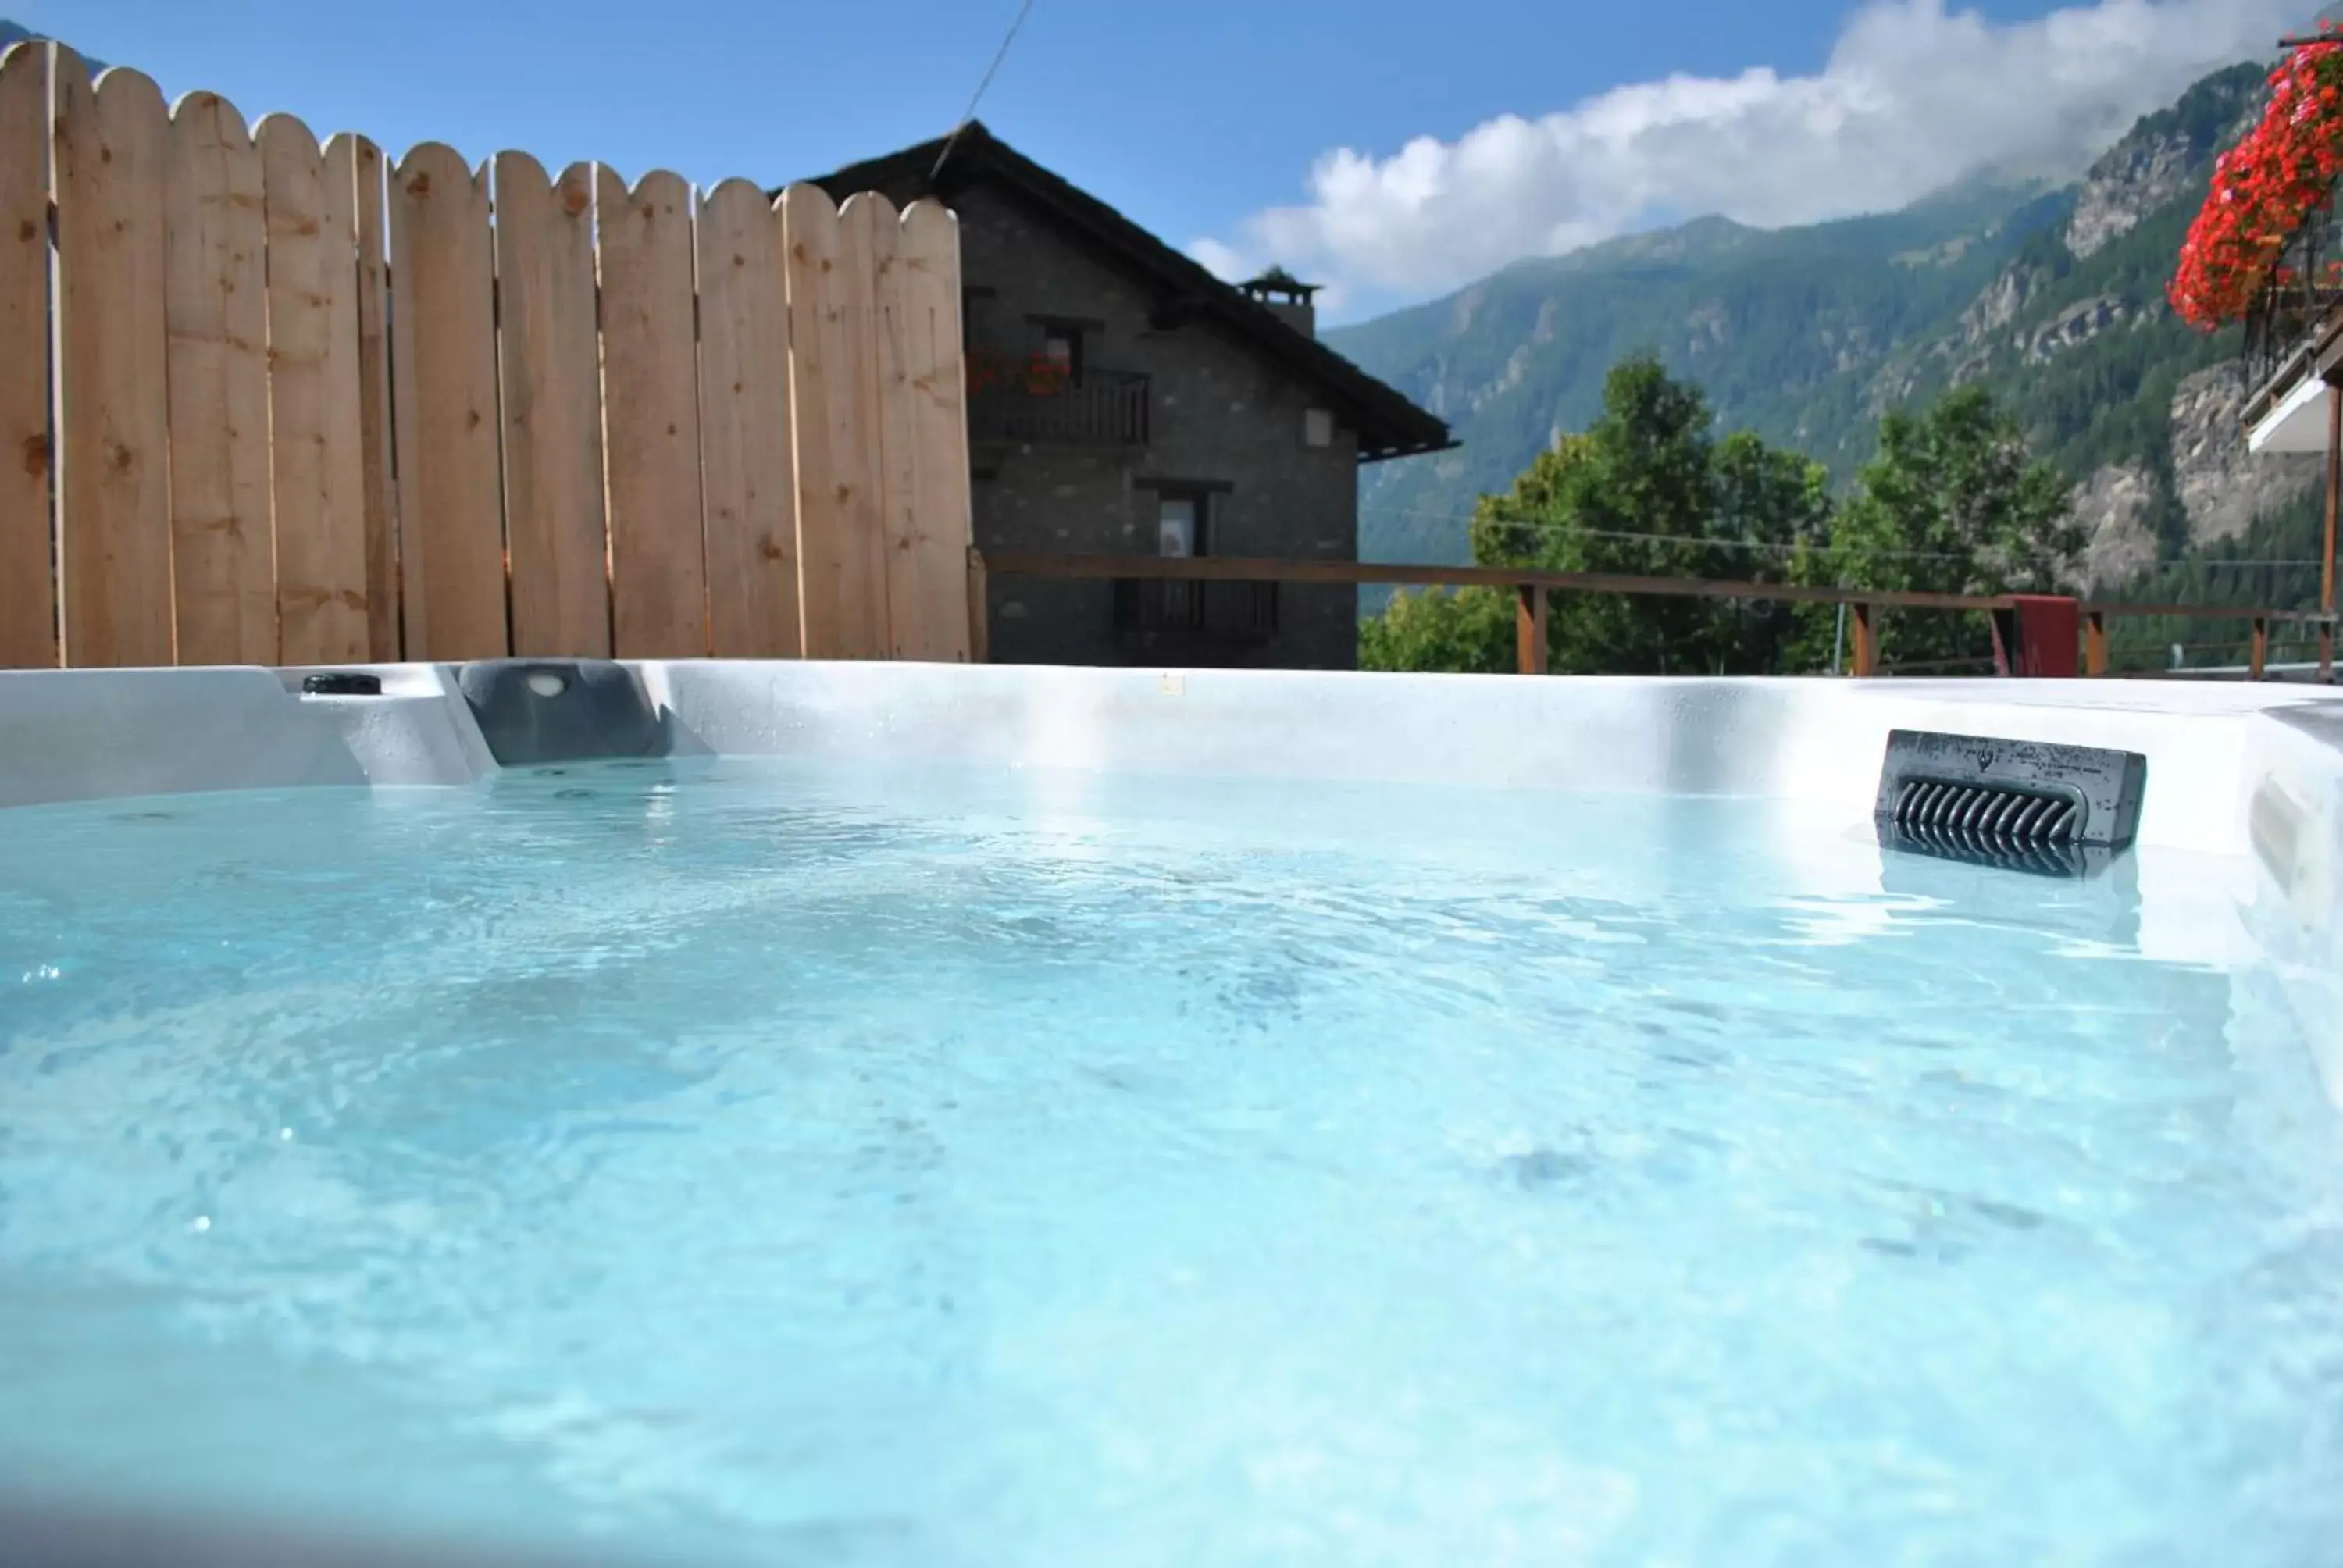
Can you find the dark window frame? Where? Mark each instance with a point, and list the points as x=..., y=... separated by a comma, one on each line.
x=970, y=297
x=1072, y=338
x=1198, y=493
x=1077, y=331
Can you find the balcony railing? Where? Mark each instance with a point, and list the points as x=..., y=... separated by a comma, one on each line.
x=2300, y=298
x=1233, y=614
x=1104, y=409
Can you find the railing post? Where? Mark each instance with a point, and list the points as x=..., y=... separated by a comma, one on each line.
x=2094, y=643
x=1529, y=629
x=2259, y=658
x=2326, y=554
x=1866, y=639
x=980, y=610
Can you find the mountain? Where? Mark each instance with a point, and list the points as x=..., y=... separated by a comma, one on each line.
x=2052, y=297
x=1770, y=322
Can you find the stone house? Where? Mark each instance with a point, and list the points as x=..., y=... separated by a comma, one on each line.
x=1122, y=399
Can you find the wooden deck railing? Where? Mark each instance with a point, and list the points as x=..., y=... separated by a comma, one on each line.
x=1532, y=591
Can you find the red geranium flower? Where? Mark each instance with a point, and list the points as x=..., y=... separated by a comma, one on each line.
x=1039, y=375
x=2266, y=189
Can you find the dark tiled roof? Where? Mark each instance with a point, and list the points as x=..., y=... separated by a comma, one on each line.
x=1388, y=424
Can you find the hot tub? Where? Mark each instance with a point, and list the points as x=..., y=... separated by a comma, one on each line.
x=993, y=1115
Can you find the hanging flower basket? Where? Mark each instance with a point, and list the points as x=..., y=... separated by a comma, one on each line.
x=2265, y=189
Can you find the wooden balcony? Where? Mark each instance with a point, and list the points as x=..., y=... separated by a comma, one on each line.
x=1106, y=408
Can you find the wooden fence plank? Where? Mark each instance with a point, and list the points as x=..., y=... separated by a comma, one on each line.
x=216, y=313
x=346, y=579
x=28, y=557
x=890, y=395
x=744, y=426
x=926, y=392
x=867, y=226
x=318, y=458
x=841, y=582
x=810, y=238
x=378, y=502
x=444, y=392
x=550, y=379
x=113, y=153
x=650, y=385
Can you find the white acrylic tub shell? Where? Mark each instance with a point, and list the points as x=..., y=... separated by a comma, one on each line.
x=2245, y=782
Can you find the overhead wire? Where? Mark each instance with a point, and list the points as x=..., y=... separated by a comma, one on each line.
x=1551, y=527
x=976, y=97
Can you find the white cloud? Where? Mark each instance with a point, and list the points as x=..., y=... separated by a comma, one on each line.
x=1221, y=261
x=1911, y=98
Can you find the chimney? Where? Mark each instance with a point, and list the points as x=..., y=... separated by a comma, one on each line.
x=1287, y=295
x=1298, y=313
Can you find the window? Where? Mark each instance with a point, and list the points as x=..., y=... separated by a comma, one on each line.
x=1183, y=512
x=1225, y=615
x=971, y=300
x=1318, y=427
x=1063, y=346
x=1179, y=529
x=1183, y=530
x=1067, y=341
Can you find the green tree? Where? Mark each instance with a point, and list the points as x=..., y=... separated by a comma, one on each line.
x=1470, y=631
x=1779, y=503
x=1646, y=491
x=1634, y=495
x=1954, y=503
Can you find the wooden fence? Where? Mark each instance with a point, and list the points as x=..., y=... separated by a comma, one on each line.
x=278, y=402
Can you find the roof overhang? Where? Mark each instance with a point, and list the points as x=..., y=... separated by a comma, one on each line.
x=2295, y=421
x=1385, y=454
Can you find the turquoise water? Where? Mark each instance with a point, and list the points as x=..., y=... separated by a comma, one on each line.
x=778, y=1164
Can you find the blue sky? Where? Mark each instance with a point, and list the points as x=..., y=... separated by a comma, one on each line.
x=1218, y=123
